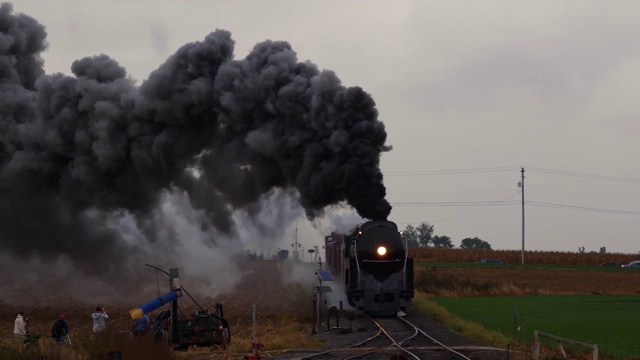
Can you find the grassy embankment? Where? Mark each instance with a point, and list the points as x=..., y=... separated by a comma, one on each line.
x=606, y=320
x=497, y=300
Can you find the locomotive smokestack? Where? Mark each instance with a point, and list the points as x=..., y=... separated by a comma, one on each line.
x=79, y=150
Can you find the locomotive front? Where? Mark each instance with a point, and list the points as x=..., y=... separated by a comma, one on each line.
x=383, y=281
x=380, y=249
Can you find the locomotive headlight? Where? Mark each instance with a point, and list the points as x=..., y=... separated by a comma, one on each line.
x=382, y=250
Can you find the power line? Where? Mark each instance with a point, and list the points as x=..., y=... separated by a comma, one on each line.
x=582, y=208
x=449, y=172
x=507, y=168
x=507, y=201
x=455, y=203
x=582, y=195
x=475, y=211
x=446, y=192
x=586, y=176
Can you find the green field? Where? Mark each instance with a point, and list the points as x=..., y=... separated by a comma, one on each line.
x=606, y=320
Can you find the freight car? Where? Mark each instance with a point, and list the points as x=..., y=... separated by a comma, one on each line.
x=371, y=263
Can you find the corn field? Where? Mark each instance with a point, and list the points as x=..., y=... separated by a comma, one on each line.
x=443, y=255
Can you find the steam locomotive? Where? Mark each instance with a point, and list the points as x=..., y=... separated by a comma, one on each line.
x=372, y=264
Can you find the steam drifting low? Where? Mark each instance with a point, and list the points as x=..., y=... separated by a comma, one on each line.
x=76, y=150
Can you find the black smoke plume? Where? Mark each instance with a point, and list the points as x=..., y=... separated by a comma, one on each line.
x=75, y=150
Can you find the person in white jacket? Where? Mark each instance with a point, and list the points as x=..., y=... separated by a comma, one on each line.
x=20, y=326
x=100, y=318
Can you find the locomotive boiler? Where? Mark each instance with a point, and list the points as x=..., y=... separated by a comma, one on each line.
x=371, y=263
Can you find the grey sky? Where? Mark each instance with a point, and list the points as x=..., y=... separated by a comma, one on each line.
x=458, y=84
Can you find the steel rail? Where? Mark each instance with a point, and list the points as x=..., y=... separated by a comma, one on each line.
x=400, y=345
x=462, y=356
x=394, y=343
x=369, y=339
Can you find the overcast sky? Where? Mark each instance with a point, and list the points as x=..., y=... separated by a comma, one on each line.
x=469, y=91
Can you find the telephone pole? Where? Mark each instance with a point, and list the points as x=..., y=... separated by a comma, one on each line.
x=522, y=186
x=296, y=245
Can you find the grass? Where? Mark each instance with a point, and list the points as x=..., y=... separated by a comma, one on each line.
x=610, y=321
x=469, y=329
x=551, y=299
x=277, y=331
x=283, y=321
x=87, y=347
x=485, y=302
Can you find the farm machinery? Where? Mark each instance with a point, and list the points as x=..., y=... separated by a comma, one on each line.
x=202, y=328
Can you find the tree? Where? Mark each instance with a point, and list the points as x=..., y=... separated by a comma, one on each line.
x=442, y=242
x=424, y=230
x=474, y=243
x=410, y=235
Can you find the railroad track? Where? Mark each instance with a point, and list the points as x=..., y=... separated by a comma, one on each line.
x=398, y=338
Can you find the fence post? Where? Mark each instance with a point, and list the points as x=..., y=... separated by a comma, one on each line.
x=536, y=345
x=560, y=340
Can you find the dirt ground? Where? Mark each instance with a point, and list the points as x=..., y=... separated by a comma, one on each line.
x=277, y=288
x=273, y=287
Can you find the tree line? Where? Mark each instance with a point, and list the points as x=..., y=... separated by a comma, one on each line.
x=422, y=236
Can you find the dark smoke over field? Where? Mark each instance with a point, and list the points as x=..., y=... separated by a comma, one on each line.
x=83, y=157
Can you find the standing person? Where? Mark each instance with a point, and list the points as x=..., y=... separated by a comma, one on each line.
x=60, y=330
x=100, y=318
x=160, y=326
x=140, y=326
x=20, y=327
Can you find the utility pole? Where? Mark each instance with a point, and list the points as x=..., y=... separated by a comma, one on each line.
x=522, y=186
x=296, y=245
